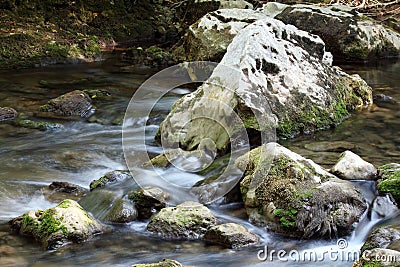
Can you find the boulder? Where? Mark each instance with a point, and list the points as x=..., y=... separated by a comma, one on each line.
x=55, y=227
x=148, y=199
x=294, y=196
x=230, y=235
x=389, y=180
x=350, y=166
x=208, y=38
x=189, y=220
x=163, y=263
x=112, y=177
x=58, y=191
x=273, y=75
x=347, y=34
x=8, y=114
x=75, y=103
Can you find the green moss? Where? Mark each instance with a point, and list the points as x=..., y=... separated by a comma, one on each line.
x=49, y=224
x=391, y=185
x=44, y=108
x=65, y=204
x=29, y=224
x=287, y=218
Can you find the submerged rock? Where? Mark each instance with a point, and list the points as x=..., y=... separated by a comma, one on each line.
x=346, y=33
x=112, y=177
x=189, y=220
x=330, y=146
x=75, y=103
x=148, y=200
x=389, y=180
x=55, y=227
x=58, y=191
x=273, y=75
x=230, y=235
x=296, y=197
x=350, y=166
x=163, y=263
x=8, y=114
x=38, y=125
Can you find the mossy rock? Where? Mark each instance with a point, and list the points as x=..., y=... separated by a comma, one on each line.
x=294, y=196
x=38, y=125
x=55, y=227
x=189, y=220
x=109, y=178
x=148, y=199
x=389, y=181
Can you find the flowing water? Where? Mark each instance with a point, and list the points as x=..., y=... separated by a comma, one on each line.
x=80, y=152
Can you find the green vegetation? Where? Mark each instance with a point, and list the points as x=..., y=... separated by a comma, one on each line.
x=287, y=218
x=390, y=182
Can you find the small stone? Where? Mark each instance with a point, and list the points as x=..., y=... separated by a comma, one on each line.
x=163, y=263
x=110, y=178
x=230, y=235
x=8, y=114
x=58, y=191
x=75, y=103
x=149, y=199
x=352, y=167
x=122, y=211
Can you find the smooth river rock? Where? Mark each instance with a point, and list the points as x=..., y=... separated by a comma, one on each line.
x=230, y=235
x=292, y=195
x=350, y=166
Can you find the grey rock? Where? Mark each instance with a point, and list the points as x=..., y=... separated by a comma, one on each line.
x=230, y=235
x=8, y=114
x=350, y=166
x=149, y=199
x=347, y=33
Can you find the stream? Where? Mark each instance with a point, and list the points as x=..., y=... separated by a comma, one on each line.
x=80, y=152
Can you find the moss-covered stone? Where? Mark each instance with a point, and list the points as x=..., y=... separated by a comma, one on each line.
x=148, y=199
x=389, y=181
x=39, y=125
x=112, y=177
x=54, y=227
x=189, y=220
x=294, y=196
